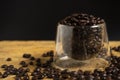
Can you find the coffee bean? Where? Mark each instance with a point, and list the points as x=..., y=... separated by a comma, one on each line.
x=5, y=74
x=37, y=69
x=27, y=70
x=4, y=66
x=32, y=58
x=34, y=73
x=8, y=59
x=11, y=66
x=116, y=48
x=18, y=78
x=23, y=64
x=26, y=55
x=48, y=54
x=34, y=78
x=38, y=60
x=44, y=55
x=31, y=63
x=26, y=77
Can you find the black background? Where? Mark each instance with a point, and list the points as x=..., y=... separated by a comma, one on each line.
x=37, y=19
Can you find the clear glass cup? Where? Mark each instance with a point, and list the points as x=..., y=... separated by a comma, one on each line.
x=82, y=47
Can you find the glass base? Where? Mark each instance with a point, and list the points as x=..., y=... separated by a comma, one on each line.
x=86, y=65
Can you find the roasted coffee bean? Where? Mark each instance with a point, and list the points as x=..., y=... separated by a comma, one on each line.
x=48, y=54
x=44, y=55
x=38, y=60
x=34, y=73
x=26, y=55
x=64, y=76
x=49, y=76
x=34, y=78
x=5, y=74
x=26, y=77
x=32, y=58
x=109, y=77
x=23, y=64
x=27, y=70
x=89, y=77
x=116, y=48
x=87, y=73
x=31, y=63
x=37, y=69
x=44, y=65
x=8, y=59
x=51, y=53
x=38, y=64
x=4, y=66
x=18, y=78
x=40, y=76
x=11, y=66
x=82, y=18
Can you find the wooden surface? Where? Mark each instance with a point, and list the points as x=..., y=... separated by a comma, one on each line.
x=15, y=50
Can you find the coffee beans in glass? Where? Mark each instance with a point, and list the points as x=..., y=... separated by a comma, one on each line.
x=82, y=43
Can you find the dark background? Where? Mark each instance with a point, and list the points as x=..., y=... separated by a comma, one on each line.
x=37, y=19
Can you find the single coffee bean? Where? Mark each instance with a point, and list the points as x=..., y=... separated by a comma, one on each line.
x=4, y=66
x=26, y=55
x=5, y=74
x=31, y=63
x=26, y=77
x=18, y=78
x=32, y=58
x=8, y=59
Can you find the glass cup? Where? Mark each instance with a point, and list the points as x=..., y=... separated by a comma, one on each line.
x=82, y=47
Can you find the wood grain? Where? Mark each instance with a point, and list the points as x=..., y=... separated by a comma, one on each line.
x=15, y=50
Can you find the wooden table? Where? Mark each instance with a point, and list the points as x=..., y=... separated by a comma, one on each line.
x=15, y=50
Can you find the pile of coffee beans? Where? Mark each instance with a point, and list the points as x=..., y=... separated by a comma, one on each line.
x=87, y=34
x=81, y=19
x=47, y=71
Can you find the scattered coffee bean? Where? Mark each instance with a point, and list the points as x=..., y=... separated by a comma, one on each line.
x=23, y=64
x=112, y=72
x=44, y=55
x=32, y=58
x=8, y=59
x=116, y=48
x=31, y=63
x=26, y=77
x=34, y=78
x=38, y=60
x=5, y=74
x=37, y=69
x=48, y=54
x=27, y=70
x=4, y=66
x=26, y=55
x=18, y=78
